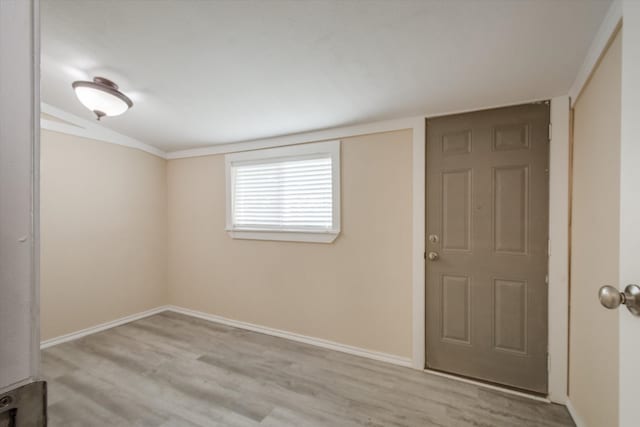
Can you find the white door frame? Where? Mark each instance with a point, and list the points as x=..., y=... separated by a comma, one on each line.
x=558, y=253
x=19, y=182
x=629, y=346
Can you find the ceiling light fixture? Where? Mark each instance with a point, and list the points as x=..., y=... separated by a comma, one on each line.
x=102, y=97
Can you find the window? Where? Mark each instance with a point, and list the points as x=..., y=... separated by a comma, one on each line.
x=286, y=193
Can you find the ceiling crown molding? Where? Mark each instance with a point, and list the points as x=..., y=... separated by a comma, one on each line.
x=608, y=28
x=73, y=125
x=301, y=138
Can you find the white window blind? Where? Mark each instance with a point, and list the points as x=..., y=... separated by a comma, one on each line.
x=284, y=190
x=284, y=194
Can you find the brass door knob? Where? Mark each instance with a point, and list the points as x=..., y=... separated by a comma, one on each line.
x=433, y=256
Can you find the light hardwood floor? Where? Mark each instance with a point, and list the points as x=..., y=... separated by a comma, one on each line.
x=175, y=370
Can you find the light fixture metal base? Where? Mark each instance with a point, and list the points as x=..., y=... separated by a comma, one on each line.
x=106, y=82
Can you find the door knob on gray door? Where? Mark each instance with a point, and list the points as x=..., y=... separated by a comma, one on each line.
x=611, y=298
x=433, y=256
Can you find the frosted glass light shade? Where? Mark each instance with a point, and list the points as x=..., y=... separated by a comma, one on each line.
x=102, y=97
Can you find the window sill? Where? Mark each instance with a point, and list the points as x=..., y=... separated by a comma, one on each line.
x=284, y=235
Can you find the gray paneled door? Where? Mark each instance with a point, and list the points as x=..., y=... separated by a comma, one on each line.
x=487, y=239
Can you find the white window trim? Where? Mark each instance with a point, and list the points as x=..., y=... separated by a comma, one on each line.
x=303, y=150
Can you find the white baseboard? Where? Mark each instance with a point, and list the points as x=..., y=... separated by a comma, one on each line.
x=375, y=355
x=101, y=327
x=318, y=342
x=576, y=418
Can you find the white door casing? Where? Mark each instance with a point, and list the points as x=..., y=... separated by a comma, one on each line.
x=19, y=166
x=629, y=342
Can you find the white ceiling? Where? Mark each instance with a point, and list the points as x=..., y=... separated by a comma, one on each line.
x=210, y=72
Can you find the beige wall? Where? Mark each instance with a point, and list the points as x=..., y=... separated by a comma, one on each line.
x=593, y=364
x=356, y=291
x=106, y=252
x=103, y=225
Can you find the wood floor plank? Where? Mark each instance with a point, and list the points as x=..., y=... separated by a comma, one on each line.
x=174, y=370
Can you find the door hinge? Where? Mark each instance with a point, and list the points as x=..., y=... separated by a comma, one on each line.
x=550, y=128
x=425, y=255
x=546, y=279
x=548, y=361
